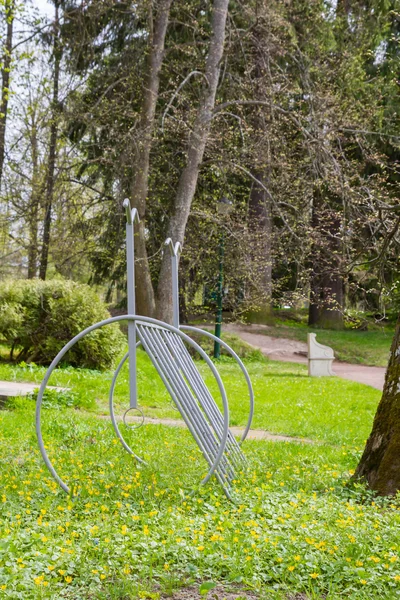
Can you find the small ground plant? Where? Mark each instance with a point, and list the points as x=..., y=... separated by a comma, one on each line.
x=140, y=532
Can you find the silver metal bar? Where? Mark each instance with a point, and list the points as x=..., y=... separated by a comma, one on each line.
x=242, y=367
x=160, y=351
x=111, y=407
x=131, y=217
x=175, y=251
x=158, y=362
x=142, y=320
x=203, y=394
x=198, y=416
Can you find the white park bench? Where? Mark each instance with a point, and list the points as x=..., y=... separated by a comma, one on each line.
x=320, y=358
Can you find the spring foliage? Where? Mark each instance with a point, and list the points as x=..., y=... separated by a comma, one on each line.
x=37, y=318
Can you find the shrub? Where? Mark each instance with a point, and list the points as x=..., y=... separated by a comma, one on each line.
x=37, y=318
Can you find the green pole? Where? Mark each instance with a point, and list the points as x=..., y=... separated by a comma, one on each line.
x=218, y=320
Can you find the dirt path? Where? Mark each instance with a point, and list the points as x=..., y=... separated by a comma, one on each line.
x=254, y=434
x=295, y=351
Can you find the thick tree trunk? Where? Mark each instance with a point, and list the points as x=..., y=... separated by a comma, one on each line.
x=50, y=179
x=145, y=298
x=196, y=147
x=5, y=79
x=379, y=466
x=326, y=283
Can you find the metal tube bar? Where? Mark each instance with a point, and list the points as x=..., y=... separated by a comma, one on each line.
x=111, y=407
x=242, y=367
x=146, y=341
x=177, y=381
x=198, y=416
x=175, y=290
x=202, y=392
x=130, y=271
x=98, y=325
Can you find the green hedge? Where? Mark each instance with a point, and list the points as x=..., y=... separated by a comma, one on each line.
x=37, y=318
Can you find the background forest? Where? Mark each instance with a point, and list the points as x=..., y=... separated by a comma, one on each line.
x=288, y=109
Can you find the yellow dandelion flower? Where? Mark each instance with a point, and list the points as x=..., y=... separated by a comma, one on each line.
x=102, y=576
x=61, y=572
x=51, y=567
x=166, y=567
x=201, y=548
x=314, y=575
x=68, y=579
x=291, y=568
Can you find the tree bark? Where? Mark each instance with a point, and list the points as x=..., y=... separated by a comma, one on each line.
x=326, y=282
x=260, y=210
x=50, y=179
x=196, y=147
x=5, y=80
x=260, y=223
x=379, y=466
x=33, y=216
x=145, y=298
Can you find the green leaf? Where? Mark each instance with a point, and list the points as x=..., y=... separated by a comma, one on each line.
x=206, y=587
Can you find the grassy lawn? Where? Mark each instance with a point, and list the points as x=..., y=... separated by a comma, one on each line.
x=287, y=401
x=351, y=345
x=140, y=532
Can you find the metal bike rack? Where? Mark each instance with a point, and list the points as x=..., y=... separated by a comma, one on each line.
x=166, y=346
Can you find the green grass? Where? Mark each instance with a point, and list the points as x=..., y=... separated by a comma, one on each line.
x=139, y=532
x=136, y=532
x=350, y=345
x=287, y=401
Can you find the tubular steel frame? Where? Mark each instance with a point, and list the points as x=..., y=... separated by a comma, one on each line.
x=165, y=346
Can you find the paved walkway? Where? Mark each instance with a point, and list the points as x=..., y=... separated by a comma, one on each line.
x=9, y=389
x=294, y=351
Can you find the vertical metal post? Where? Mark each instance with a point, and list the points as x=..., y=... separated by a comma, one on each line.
x=218, y=320
x=175, y=252
x=131, y=217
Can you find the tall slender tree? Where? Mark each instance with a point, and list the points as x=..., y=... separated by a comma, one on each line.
x=8, y=16
x=54, y=128
x=195, y=152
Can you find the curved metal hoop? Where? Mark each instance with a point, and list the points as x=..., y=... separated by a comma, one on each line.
x=133, y=426
x=242, y=367
x=111, y=407
x=98, y=325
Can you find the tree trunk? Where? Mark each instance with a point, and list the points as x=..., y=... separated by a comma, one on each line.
x=196, y=147
x=5, y=79
x=260, y=213
x=260, y=224
x=57, y=53
x=326, y=282
x=379, y=466
x=33, y=216
x=145, y=299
